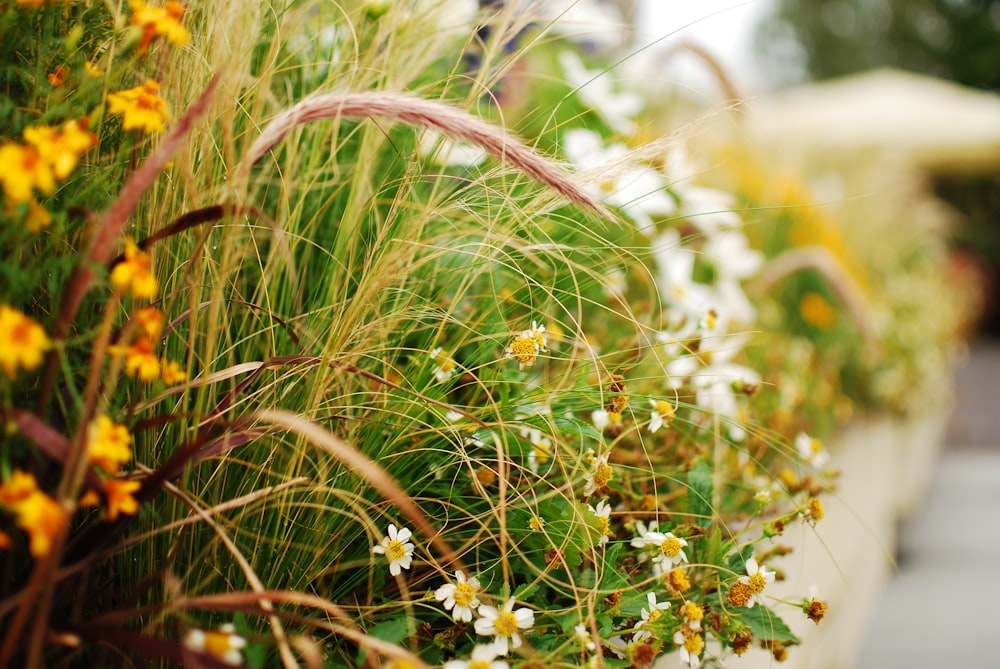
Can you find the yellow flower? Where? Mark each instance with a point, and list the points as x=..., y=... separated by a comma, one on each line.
x=109, y=445
x=119, y=496
x=140, y=360
x=171, y=372
x=61, y=148
x=38, y=216
x=150, y=319
x=818, y=312
x=22, y=341
x=40, y=516
x=93, y=70
x=134, y=274
x=159, y=22
x=22, y=169
x=141, y=107
x=17, y=488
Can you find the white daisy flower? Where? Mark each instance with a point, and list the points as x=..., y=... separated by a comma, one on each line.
x=397, y=549
x=669, y=550
x=661, y=414
x=650, y=614
x=811, y=450
x=583, y=636
x=598, y=477
x=483, y=657
x=757, y=579
x=503, y=624
x=603, y=513
x=459, y=597
x=222, y=644
x=445, y=365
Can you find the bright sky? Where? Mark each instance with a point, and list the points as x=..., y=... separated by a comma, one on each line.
x=725, y=27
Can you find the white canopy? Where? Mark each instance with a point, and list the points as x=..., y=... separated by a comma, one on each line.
x=938, y=124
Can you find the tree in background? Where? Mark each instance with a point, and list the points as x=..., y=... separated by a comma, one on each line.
x=957, y=40
x=953, y=39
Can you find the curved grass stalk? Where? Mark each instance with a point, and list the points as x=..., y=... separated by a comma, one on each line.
x=444, y=118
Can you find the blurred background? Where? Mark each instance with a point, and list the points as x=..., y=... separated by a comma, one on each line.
x=918, y=80
x=815, y=54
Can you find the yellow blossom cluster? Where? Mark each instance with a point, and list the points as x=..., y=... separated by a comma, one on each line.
x=22, y=342
x=47, y=156
x=159, y=22
x=39, y=515
x=141, y=108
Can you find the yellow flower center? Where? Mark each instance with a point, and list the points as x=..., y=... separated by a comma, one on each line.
x=739, y=594
x=602, y=475
x=654, y=615
x=757, y=583
x=692, y=611
x=665, y=409
x=525, y=349
x=605, y=524
x=218, y=644
x=395, y=550
x=464, y=594
x=694, y=644
x=679, y=580
x=542, y=453
x=479, y=664
x=506, y=624
x=671, y=547
x=536, y=523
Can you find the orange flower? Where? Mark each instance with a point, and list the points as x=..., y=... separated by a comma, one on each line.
x=120, y=499
x=159, y=21
x=141, y=108
x=22, y=341
x=150, y=319
x=58, y=76
x=109, y=445
x=140, y=360
x=133, y=274
x=4, y=540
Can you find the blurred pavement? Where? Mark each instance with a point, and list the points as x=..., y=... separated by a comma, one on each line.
x=941, y=608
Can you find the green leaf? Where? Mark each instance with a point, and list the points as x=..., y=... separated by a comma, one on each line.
x=699, y=493
x=580, y=427
x=767, y=626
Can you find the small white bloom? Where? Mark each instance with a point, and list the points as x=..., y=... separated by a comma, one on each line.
x=669, y=550
x=603, y=514
x=445, y=365
x=595, y=90
x=541, y=448
x=583, y=636
x=650, y=614
x=757, y=578
x=811, y=450
x=222, y=644
x=600, y=419
x=661, y=414
x=397, y=549
x=503, y=625
x=483, y=657
x=599, y=476
x=460, y=597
